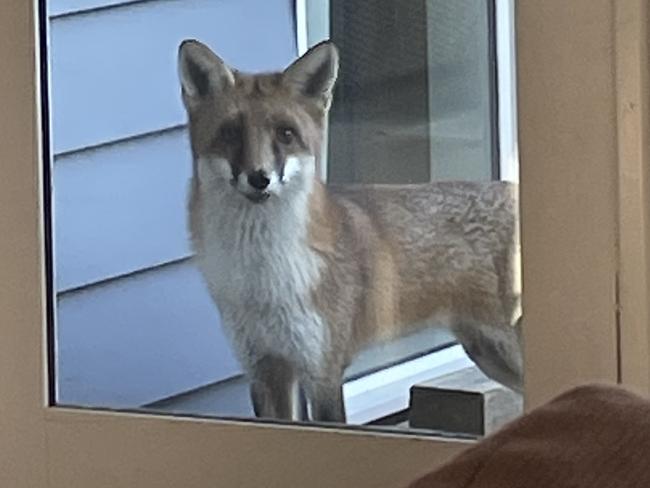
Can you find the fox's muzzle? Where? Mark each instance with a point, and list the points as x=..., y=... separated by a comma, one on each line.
x=253, y=185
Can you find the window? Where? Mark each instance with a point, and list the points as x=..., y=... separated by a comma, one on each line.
x=415, y=101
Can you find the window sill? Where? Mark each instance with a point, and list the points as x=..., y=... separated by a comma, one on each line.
x=367, y=399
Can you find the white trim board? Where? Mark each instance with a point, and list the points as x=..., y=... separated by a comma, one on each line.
x=507, y=89
x=386, y=392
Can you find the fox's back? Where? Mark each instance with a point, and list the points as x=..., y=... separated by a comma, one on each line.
x=453, y=246
x=434, y=212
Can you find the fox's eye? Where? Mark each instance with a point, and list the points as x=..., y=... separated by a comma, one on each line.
x=285, y=134
x=230, y=133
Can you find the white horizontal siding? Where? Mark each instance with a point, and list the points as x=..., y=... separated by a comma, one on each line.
x=122, y=164
x=68, y=7
x=113, y=71
x=121, y=208
x=133, y=341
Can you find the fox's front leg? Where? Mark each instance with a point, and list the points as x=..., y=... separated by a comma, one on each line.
x=326, y=399
x=275, y=390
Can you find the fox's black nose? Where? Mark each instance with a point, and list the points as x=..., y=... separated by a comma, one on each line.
x=258, y=180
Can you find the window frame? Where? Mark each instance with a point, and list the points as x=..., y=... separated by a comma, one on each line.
x=632, y=38
x=579, y=268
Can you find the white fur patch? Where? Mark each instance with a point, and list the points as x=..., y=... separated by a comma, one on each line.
x=223, y=168
x=274, y=185
x=292, y=167
x=242, y=183
x=261, y=272
x=214, y=168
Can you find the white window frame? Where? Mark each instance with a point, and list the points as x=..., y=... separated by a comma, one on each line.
x=507, y=89
x=312, y=27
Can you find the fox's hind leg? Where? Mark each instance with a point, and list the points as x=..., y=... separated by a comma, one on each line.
x=275, y=390
x=497, y=351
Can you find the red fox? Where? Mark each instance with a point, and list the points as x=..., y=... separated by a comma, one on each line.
x=306, y=274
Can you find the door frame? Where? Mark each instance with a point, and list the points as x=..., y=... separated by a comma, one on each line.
x=583, y=133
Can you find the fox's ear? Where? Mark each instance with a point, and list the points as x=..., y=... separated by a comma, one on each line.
x=314, y=74
x=202, y=73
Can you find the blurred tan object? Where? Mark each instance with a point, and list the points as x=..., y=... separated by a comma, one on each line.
x=591, y=437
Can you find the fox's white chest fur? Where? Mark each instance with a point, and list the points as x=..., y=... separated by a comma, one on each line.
x=261, y=274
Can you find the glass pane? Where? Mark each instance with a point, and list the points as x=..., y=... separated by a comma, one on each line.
x=326, y=243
